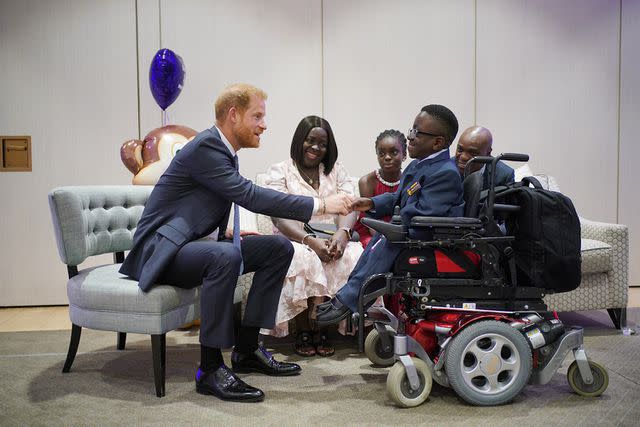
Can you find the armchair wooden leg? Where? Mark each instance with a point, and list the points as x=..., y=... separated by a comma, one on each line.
x=618, y=317
x=122, y=340
x=73, y=347
x=158, y=349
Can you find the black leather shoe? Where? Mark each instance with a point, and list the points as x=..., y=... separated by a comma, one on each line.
x=262, y=361
x=331, y=312
x=223, y=384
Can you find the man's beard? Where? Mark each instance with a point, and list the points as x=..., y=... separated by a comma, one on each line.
x=246, y=137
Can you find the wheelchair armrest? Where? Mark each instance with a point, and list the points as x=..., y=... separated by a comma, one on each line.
x=393, y=232
x=449, y=222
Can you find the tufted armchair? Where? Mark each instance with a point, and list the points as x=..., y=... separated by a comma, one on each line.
x=94, y=220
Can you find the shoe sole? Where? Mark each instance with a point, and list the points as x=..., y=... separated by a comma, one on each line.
x=208, y=392
x=251, y=370
x=338, y=319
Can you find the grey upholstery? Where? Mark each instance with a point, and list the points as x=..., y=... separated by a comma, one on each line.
x=94, y=220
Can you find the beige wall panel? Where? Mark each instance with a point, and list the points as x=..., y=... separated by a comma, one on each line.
x=68, y=80
x=383, y=61
x=275, y=45
x=148, y=15
x=629, y=204
x=547, y=85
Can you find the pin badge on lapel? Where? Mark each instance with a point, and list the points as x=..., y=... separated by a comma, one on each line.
x=413, y=188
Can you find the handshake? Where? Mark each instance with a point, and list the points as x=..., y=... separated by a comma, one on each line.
x=343, y=205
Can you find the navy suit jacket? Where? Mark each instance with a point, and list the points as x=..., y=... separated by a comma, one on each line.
x=504, y=175
x=437, y=190
x=193, y=198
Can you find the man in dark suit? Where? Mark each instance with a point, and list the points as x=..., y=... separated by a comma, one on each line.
x=192, y=200
x=477, y=141
x=429, y=186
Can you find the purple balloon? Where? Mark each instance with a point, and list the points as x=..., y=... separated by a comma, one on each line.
x=166, y=76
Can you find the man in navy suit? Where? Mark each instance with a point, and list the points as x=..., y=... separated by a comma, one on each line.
x=429, y=186
x=192, y=200
x=477, y=141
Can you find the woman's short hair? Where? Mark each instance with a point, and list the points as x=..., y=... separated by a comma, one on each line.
x=300, y=135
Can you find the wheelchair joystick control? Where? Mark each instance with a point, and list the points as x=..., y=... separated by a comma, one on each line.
x=396, y=218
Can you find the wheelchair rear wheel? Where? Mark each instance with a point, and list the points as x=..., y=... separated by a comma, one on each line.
x=400, y=390
x=488, y=363
x=600, y=380
x=375, y=351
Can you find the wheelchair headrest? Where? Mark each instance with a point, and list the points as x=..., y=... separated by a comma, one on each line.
x=472, y=188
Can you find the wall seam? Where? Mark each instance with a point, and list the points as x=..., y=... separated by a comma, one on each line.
x=619, y=112
x=322, y=58
x=160, y=23
x=138, y=69
x=475, y=62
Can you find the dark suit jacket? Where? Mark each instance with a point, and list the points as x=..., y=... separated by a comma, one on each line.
x=437, y=190
x=193, y=198
x=504, y=175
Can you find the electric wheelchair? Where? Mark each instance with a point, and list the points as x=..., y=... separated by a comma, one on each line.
x=461, y=317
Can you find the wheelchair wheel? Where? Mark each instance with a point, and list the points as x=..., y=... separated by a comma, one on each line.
x=398, y=386
x=375, y=352
x=488, y=363
x=600, y=380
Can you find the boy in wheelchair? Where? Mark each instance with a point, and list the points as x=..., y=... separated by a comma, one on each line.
x=430, y=186
x=471, y=315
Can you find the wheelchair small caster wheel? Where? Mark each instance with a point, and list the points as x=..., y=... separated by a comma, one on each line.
x=595, y=389
x=374, y=348
x=399, y=388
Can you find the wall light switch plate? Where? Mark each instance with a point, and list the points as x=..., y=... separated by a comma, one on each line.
x=16, y=154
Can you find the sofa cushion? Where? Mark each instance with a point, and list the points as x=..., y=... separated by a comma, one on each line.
x=597, y=256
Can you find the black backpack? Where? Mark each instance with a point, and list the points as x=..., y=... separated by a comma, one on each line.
x=547, y=236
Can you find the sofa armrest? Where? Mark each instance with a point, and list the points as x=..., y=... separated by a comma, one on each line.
x=616, y=235
x=606, y=232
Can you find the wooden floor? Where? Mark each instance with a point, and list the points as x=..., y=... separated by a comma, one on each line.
x=57, y=317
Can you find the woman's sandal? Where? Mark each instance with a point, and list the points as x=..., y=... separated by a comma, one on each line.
x=324, y=348
x=304, y=344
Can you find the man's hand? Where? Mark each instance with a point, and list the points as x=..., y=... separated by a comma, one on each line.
x=337, y=204
x=362, y=204
x=338, y=243
x=320, y=247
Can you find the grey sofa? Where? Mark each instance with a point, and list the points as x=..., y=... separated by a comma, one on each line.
x=94, y=220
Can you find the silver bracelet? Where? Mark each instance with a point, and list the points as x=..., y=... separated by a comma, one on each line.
x=305, y=236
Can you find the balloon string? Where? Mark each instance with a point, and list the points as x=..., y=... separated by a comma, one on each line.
x=164, y=117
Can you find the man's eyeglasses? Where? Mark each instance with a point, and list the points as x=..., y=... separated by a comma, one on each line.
x=415, y=132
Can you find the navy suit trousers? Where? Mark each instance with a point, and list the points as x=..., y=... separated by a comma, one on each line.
x=378, y=257
x=215, y=266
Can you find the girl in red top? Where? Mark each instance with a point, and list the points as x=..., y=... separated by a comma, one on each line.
x=391, y=149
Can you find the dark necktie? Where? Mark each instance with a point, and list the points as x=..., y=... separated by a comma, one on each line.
x=236, y=224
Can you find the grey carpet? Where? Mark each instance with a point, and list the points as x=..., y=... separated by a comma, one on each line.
x=110, y=387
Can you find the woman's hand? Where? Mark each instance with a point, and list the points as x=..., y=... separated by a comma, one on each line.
x=320, y=247
x=338, y=243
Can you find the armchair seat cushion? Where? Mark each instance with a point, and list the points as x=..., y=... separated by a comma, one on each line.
x=102, y=298
x=104, y=288
x=597, y=256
